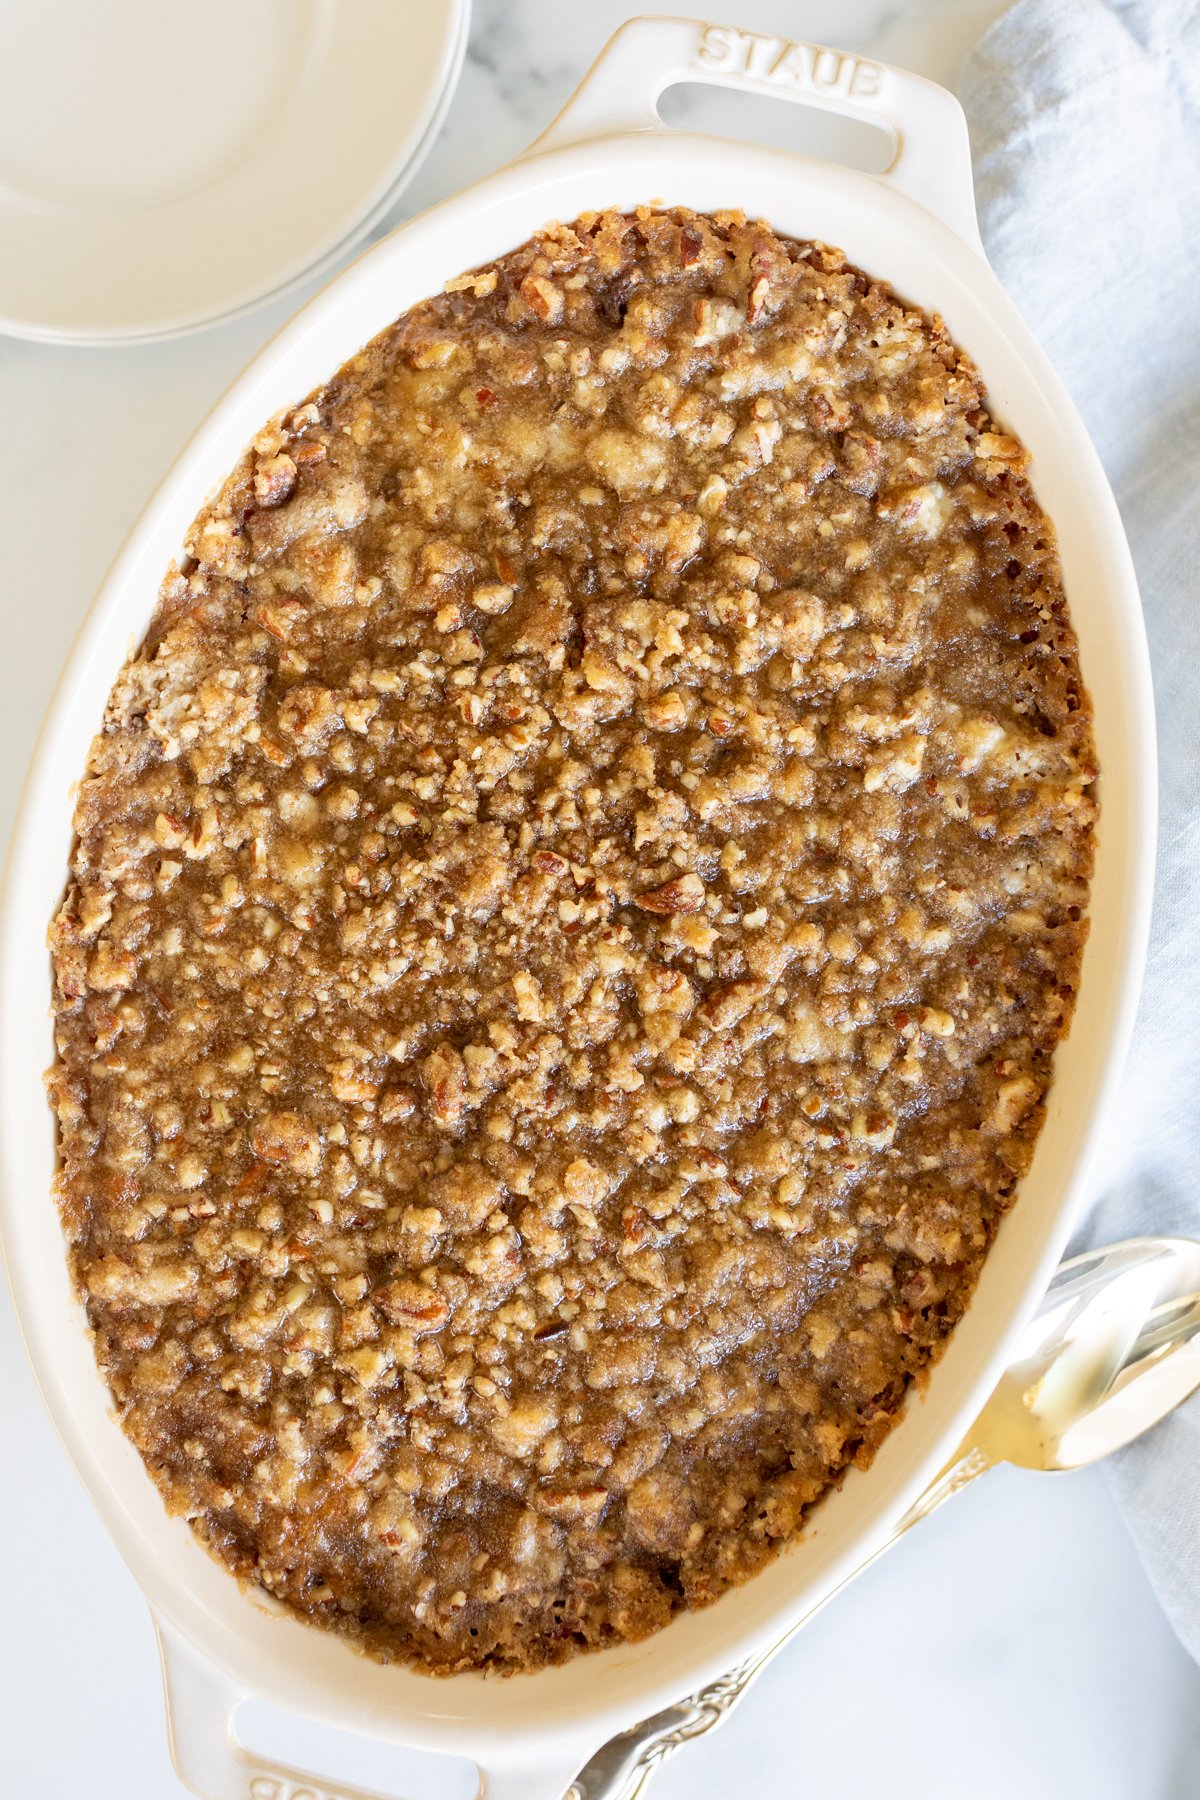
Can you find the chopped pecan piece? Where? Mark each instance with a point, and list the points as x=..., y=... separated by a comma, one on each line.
x=411, y=1303
x=274, y=479
x=685, y=894
x=572, y=1506
x=288, y=1137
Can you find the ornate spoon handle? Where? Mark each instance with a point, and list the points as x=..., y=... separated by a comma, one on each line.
x=622, y=1768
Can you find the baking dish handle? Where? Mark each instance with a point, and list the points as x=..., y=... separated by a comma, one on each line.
x=208, y=1758
x=931, y=163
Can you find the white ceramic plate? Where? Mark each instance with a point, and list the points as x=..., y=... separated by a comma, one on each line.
x=165, y=163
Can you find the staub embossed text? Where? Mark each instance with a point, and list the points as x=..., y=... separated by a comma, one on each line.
x=281, y=1787
x=788, y=63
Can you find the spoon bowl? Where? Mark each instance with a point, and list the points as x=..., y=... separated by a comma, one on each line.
x=1113, y=1348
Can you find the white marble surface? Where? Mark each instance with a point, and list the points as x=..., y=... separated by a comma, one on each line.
x=1010, y=1647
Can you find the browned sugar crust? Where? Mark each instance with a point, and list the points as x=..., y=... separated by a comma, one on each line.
x=574, y=904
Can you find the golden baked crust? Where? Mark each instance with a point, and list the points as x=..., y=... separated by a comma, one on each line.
x=574, y=904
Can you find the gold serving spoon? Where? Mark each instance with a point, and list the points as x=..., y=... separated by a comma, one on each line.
x=1113, y=1348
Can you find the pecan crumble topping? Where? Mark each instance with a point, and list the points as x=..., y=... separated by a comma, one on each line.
x=574, y=904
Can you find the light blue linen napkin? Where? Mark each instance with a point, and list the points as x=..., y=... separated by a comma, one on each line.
x=1085, y=127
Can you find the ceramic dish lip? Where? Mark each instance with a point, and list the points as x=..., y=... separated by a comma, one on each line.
x=310, y=265
x=590, y=1696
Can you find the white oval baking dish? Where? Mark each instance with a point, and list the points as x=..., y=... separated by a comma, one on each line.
x=915, y=227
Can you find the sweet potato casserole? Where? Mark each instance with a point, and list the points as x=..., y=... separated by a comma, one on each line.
x=574, y=904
